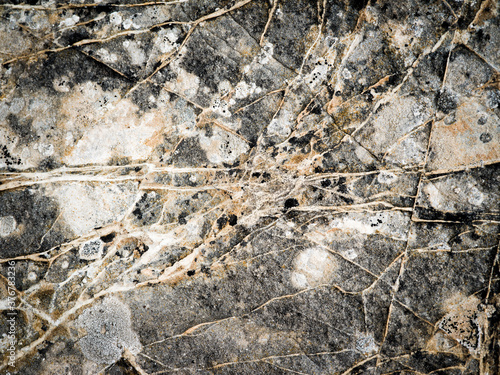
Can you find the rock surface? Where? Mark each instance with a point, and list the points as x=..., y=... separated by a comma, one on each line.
x=250, y=187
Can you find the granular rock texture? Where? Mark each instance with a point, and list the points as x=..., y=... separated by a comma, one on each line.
x=250, y=187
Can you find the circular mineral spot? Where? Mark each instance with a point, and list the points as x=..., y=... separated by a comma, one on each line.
x=482, y=120
x=313, y=267
x=485, y=137
x=7, y=225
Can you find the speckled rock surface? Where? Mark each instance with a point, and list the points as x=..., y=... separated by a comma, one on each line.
x=250, y=187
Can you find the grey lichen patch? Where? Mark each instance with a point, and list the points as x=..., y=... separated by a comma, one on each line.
x=92, y=249
x=107, y=331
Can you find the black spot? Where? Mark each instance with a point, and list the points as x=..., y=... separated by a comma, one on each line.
x=104, y=8
x=347, y=200
x=77, y=37
x=182, y=218
x=137, y=212
x=316, y=110
x=343, y=189
x=475, y=236
x=108, y=238
x=221, y=222
x=393, y=79
x=233, y=220
x=326, y=183
x=482, y=120
x=485, y=137
x=191, y=272
x=432, y=214
x=142, y=248
x=291, y=202
x=358, y=4
x=302, y=141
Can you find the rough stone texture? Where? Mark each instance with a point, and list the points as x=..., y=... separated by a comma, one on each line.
x=250, y=187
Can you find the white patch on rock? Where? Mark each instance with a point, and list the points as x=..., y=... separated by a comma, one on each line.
x=407, y=152
x=389, y=223
x=92, y=249
x=475, y=197
x=223, y=147
x=266, y=53
x=122, y=134
x=137, y=55
x=281, y=126
x=243, y=90
x=86, y=206
x=17, y=105
x=385, y=177
x=167, y=42
x=346, y=74
x=350, y=254
x=108, y=331
x=70, y=21
x=221, y=107
x=313, y=267
x=115, y=18
x=61, y=84
x=106, y=56
x=46, y=150
x=434, y=195
x=318, y=74
x=127, y=24
x=366, y=345
x=7, y=225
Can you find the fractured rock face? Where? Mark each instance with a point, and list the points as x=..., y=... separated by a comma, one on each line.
x=249, y=187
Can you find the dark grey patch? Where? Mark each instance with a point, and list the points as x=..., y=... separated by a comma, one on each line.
x=141, y=96
x=82, y=68
x=207, y=63
x=189, y=154
x=22, y=127
x=446, y=101
x=148, y=209
x=35, y=212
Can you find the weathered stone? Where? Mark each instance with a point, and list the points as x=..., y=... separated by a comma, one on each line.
x=249, y=187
